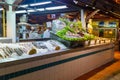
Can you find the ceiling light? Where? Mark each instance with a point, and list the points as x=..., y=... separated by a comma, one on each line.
x=28, y=11
x=31, y=10
x=76, y=2
x=41, y=3
x=111, y=11
x=56, y=7
x=35, y=10
x=24, y=6
x=21, y=11
x=93, y=7
x=41, y=9
x=86, y=5
x=106, y=12
x=1, y=9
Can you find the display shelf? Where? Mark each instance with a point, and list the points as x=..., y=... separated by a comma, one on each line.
x=24, y=50
x=105, y=32
x=48, y=53
x=17, y=51
x=51, y=59
x=70, y=44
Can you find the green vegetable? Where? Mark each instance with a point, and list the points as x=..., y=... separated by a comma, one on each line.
x=67, y=22
x=73, y=27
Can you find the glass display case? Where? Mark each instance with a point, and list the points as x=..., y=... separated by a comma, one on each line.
x=23, y=50
x=17, y=51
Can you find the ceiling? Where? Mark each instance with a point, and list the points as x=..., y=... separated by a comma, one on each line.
x=109, y=6
x=117, y=1
x=53, y=3
x=106, y=7
x=40, y=16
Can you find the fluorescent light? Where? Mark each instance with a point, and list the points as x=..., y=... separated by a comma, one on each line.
x=22, y=11
x=24, y=6
x=93, y=7
x=41, y=3
x=33, y=10
x=56, y=7
x=1, y=9
x=106, y=12
x=41, y=9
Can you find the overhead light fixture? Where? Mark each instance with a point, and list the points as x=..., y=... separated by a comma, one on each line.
x=31, y=10
x=41, y=3
x=93, y=8
x=86, y=5
x=56, y=7
x=1, y=9
x=76, y=2
x=106, y=12
x=35, y=10
x=111, y=11
x=28, y=11
x=41, y=9
x=21, y=11
x=24, y=6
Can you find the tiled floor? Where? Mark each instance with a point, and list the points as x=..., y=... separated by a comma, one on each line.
x=93, y=72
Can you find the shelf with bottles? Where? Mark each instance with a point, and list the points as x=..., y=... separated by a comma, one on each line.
x=105, y=32
x=32, y=31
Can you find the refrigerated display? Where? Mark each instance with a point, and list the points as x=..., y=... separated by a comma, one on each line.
x=17, y=51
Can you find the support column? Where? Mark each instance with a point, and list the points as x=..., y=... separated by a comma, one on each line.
x=11, y=22
x=83, y=16
x=3, y=21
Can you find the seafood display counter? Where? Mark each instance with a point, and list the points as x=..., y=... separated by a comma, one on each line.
x=50, y=60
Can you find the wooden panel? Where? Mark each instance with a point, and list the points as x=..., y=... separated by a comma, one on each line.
x=117, y=1
x=16, y=3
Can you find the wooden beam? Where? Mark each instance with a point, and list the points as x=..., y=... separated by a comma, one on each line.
x=117, y=1
x=3, y=4
x=91, y=15
x=16, y=3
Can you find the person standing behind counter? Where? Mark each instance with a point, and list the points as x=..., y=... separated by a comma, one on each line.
x=40, y=31
x=33, y=34
x=46, y=33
